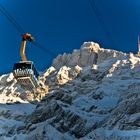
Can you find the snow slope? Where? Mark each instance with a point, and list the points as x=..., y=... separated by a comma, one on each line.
x=93, y=94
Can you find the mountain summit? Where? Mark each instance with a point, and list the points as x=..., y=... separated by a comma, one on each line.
x=93, y=95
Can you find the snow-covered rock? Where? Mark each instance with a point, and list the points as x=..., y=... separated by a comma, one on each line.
x=93, y=93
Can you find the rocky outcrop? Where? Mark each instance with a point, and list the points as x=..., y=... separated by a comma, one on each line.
x=89, y=54
x=65, y=74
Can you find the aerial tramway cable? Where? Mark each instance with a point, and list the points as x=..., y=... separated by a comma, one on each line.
x=37, y=44
x=100, y=20
x=11, y=19
x=20, y=29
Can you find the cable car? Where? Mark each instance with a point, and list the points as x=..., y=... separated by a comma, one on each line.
x=26, y=75
x=25, y=72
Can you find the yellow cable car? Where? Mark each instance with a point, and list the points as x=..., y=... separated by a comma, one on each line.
x=25, y=72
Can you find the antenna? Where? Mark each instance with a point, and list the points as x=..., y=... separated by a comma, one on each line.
x=138, y=45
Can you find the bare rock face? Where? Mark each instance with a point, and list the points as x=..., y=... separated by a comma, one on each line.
x=63, y=75
x=49, y=71
x=66, y=74
x=133, y=60
x=89, y=53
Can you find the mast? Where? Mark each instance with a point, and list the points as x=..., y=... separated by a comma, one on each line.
x=138, y=45
x=23, y=45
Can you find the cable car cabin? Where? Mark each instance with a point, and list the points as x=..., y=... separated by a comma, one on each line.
x=26, y=75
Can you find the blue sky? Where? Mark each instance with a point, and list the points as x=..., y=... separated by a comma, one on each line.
x=61, y=26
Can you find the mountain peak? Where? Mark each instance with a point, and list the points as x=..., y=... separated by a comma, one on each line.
x=90, y=53
x=93, y=94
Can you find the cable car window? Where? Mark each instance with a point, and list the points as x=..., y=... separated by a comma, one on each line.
x=22, y=66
